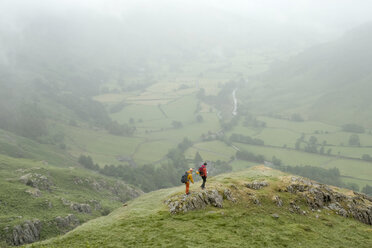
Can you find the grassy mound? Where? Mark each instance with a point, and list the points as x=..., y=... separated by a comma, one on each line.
x=146, y=221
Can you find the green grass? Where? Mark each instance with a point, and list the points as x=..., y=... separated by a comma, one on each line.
x=351, y=152
x=136, y=111
x=288, y=157
x=239, y=165
x=338, y=138
x=211, y=150
x=278, y=137
x=307, y=127
x=101, y=146
x=145, y=222
x=150, y=152
x=17, y=205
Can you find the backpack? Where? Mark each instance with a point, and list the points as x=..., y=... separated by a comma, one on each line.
x=201, y=171
x=184, y=178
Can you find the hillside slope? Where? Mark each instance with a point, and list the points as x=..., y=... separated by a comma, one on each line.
x=276, y=211
x=39, y=200
x=328, y=82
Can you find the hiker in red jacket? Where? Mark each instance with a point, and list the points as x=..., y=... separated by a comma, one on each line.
x=203, y=174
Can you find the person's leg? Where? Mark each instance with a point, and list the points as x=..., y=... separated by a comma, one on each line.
x=204, y=180
x=187, y=187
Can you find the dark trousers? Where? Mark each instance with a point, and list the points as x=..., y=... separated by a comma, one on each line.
x=204, y=181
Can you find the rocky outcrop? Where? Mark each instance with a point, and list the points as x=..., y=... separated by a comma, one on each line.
x=79, y=207
x=34, y=192
x=37, y=181
x=256, y=185
x=96, y=204
x=318, y=196
x=121, y=191
x=67, y=223
x=26, y=233
x=82, y=208
x=198, y=200
x=277, y=201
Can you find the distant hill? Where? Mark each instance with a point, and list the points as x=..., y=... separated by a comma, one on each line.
x=330, y=82
x=259, y=207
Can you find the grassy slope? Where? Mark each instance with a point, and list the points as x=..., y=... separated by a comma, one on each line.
x=145, y=222
x=17, y=206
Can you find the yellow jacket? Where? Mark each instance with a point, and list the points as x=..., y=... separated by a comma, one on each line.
x=189, y=177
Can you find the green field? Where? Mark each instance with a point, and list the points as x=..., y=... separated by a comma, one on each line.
x=101, y=146
x=359, y=170
x=211, y=151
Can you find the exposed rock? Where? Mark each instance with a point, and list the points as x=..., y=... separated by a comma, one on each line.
x=36, y=180
x=277, y=201
x=122, y=192
x=82, y=208
x=34, y=192
x=67, y=223
x=275, y=216
x=256, y=201
x=319, y=196
x=26, y=233
x=96, y=204
x=197, y=200
x=294, y=208
x=227, y=195
x=257, y=185
x=65, y=202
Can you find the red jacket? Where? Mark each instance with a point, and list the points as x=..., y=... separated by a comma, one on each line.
x=204, y=171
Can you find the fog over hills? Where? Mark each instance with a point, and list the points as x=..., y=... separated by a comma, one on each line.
x=333, y=77
x=104, y=101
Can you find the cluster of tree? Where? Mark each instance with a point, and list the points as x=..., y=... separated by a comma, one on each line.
x=87, y=162
x=354, y=140
x=184, y=145
x=249, y=156
x=177, y=124
x=149, y=177
x=218, y=167
x=24, y=118
x=296, y=117
x=246, y=139
x=113, y=127
x=367, y=157
x=222, y=99
x=228, y=125
x=367, y=190
x=118, y=107
x=251, y=121
x=312, y=145
x=199, y=118
x=353, y=128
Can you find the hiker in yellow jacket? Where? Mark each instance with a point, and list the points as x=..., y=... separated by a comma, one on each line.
x=189, y=178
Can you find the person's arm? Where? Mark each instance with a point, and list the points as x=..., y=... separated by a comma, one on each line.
x=205, y=171
x=190, y=178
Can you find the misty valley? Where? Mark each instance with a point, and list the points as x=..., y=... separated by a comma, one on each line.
x=100, y=116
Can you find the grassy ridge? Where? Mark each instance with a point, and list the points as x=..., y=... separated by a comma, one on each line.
x=145, y=222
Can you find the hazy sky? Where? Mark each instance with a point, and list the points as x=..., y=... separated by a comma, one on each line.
x=320, y=14
x=310, y=20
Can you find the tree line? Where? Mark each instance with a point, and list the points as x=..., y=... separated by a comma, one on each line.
x=150, y=177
